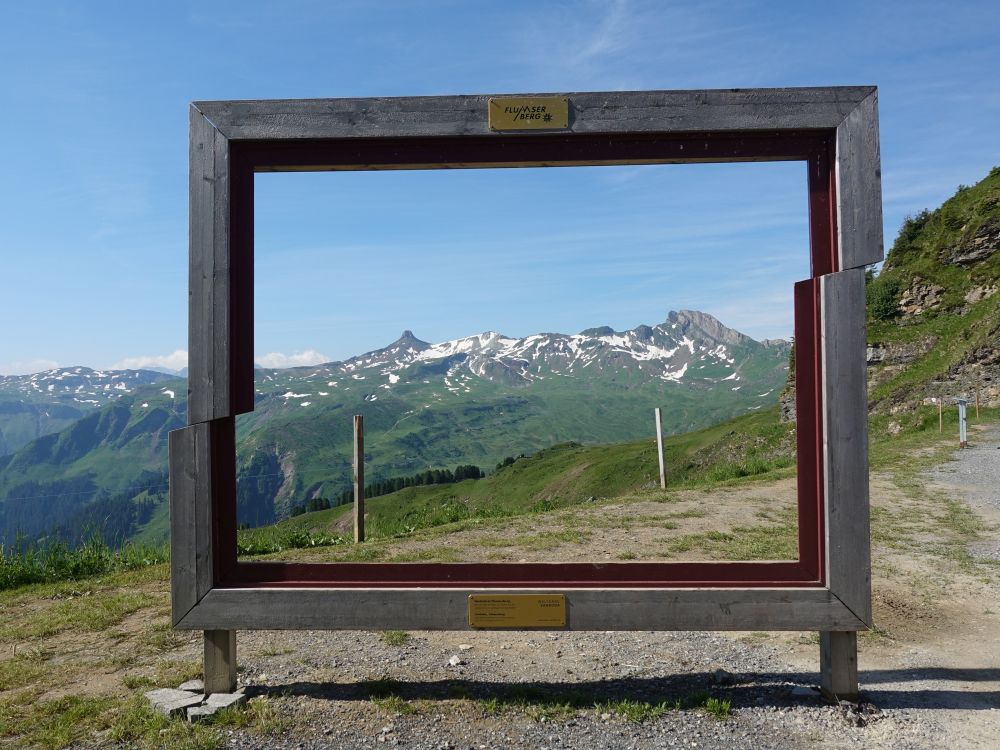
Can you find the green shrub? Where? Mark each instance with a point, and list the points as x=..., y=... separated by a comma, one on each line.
x=882, y=297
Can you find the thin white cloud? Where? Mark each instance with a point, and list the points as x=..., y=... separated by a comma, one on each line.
x=277, y=360
x=27, y=366
x=569, y=40
x=612, y=34
x=176, y=360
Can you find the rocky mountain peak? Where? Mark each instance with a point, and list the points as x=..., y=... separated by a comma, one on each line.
x=407, y=339
x=693, y=320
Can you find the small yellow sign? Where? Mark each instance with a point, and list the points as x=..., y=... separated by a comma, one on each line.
x=517, y=611
x=529, y=113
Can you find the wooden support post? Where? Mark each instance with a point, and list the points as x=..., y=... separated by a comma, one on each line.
x=977, y=403
x=659, y=447
x=838, y=664
x=359, y=479
x=940, y=415
x=220, y=661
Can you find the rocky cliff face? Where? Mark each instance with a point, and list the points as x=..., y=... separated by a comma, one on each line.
x=934, y=318
x=980, y=244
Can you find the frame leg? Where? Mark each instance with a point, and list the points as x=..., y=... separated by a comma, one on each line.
x=838, y=664
x=220, y=661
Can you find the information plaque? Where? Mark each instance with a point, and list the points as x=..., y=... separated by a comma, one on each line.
x=517, y=611
x=529, y=113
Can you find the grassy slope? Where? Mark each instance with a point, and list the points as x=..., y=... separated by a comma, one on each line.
x=568, y=474
x=481, y=428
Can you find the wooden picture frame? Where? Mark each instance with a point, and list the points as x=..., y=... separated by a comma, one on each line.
x=834, y=130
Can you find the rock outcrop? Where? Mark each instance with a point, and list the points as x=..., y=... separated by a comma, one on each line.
x=921, y=297
x=979, y=246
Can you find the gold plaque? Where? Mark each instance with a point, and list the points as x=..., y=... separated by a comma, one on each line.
x=529, y=113
x=517, y=611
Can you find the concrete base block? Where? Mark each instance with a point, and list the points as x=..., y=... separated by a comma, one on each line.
x=215, y=702
x=170, y=702
x=198, y=713
x=226, y=700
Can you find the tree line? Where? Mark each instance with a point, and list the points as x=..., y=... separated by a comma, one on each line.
x=74, y=510
x=393, y=484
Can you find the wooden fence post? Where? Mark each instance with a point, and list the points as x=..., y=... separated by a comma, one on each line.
x=659, y=447
x=220, y=661
x=940, y=414
x=359, y=479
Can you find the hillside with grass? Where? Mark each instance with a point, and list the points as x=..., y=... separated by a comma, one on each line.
x=562, y=476
x=933, y=309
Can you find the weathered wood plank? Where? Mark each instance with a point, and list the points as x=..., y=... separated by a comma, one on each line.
x=838, y=664
x=859, y=187
x=221, y=284
x=190, y=517
x=590, y=112
x=845, y=439
x=220, y=661
x=587, y=609
x=208, y=303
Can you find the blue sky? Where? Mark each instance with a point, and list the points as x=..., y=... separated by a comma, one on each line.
x=93, y=234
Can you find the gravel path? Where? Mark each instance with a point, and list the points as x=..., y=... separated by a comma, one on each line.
x=975, y=472
x=323, y=683
x=974, y=476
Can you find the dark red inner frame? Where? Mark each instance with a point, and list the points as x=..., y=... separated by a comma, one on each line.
x=248, y=157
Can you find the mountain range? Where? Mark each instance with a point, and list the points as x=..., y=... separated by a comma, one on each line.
x=87, y=448
x=45, y=402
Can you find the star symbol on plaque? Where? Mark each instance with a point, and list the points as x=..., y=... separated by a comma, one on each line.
x=547, y=117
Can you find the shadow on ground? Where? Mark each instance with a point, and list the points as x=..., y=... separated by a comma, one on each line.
x=887, y=689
